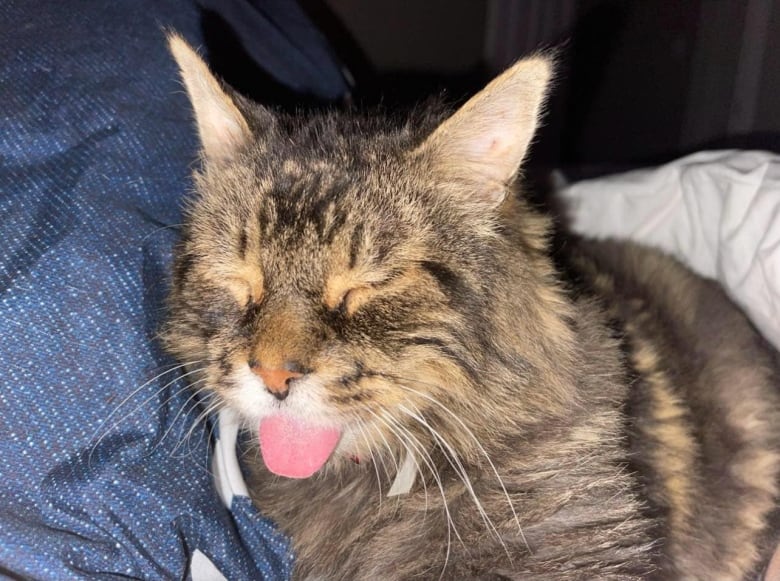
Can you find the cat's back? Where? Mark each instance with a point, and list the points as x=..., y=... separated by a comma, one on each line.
x=704, y=410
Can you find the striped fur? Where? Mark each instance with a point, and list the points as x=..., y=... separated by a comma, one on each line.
x=602, y=414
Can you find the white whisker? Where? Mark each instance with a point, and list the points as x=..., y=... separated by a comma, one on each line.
x=479, y=446
x=181, y=390
x=139, y=388
x=454, y=460
x=196, y=392
x=137, y=407
x=211, y=409
x=414, y=458
x=407, y=439
x=361, y=427
x=207, y=411
x=389, y=449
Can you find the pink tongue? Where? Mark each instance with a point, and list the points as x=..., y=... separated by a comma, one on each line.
x=294, y=449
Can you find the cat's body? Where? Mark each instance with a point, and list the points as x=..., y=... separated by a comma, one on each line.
x=366, y=295
x=664, y=466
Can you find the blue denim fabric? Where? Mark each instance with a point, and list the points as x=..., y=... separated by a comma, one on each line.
x=102, y=474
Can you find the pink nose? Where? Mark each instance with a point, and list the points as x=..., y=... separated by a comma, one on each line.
x=277, y=381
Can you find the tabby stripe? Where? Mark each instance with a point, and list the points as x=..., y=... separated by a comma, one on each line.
x=355, y=243
x=265, y=217
x=242, y=243
x=447, y=279
x=668, y=424
x=355, y=397
x=183, y=266
x=446, y=350
x=224, y=364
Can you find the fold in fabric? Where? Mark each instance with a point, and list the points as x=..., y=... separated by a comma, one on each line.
x=106, y=467
x=716, y=211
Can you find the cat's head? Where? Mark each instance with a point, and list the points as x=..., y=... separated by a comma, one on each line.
x=339, y=274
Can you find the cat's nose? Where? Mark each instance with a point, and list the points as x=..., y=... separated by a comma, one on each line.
x=277, y=381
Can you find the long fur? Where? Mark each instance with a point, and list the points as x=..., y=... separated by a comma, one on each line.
x=592, y=413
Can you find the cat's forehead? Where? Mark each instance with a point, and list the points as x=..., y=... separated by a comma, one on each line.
x=326, y=204
x=310, y=209
x=338, y=141
x=335, y=167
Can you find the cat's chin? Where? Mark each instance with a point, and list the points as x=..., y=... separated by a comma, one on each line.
x=297, y=437
x=294, y=448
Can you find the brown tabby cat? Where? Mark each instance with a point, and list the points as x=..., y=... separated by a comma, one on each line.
x=432, y=393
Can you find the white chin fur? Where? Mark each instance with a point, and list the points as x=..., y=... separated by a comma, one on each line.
x=249, y=397
x=252, y=402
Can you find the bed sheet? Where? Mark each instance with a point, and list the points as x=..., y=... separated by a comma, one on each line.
x=716, y=211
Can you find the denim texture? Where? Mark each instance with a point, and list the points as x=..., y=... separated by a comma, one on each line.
x=103, y=475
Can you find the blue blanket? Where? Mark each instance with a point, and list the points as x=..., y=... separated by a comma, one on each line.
x=105, y=468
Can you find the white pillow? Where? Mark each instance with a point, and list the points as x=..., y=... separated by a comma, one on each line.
x=717, y=211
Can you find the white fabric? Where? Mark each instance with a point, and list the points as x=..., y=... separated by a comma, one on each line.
x=404, y=479
x=202, y=569
x=717, y=211
x=228, y=481
x=224, y=463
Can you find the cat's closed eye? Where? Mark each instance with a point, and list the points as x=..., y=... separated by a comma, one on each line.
x=348, y=292
x=215, y=307
x=245, y=287
x=350, y=300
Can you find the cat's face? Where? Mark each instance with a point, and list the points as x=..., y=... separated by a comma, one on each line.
x=335, y=274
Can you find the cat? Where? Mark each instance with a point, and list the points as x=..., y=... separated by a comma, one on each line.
x=436, y=390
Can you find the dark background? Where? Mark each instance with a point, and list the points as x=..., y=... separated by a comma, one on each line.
x=639, y=81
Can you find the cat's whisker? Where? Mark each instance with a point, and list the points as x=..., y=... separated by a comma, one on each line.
x=408, y=439
x=135, y=392
x=429, y=462
x=186, y=388
x=202, y=416
x=362, y=428
x=387, y=444
x=454, y=461
x=197, y=391
x=417, y=464
x=141, y=387
x=207, y=434
x=408, y=436
x=395, y=462
x=161, y=228
x=154, y=395
x=208, y=410
x=390, y=450
x=479, y=445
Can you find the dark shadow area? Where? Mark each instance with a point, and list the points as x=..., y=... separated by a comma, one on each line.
x=583, y=71
x=625, y=84
x=231, y=61
x=368, y=88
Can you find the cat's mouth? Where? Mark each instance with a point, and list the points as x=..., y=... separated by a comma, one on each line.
x=298, y=435
x=294, y=448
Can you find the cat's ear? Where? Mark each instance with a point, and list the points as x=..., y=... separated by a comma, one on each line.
x=221, y=126
x=486, y=140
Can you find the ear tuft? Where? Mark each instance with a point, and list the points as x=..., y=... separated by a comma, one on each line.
x=486, y=140
x=221, y=126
